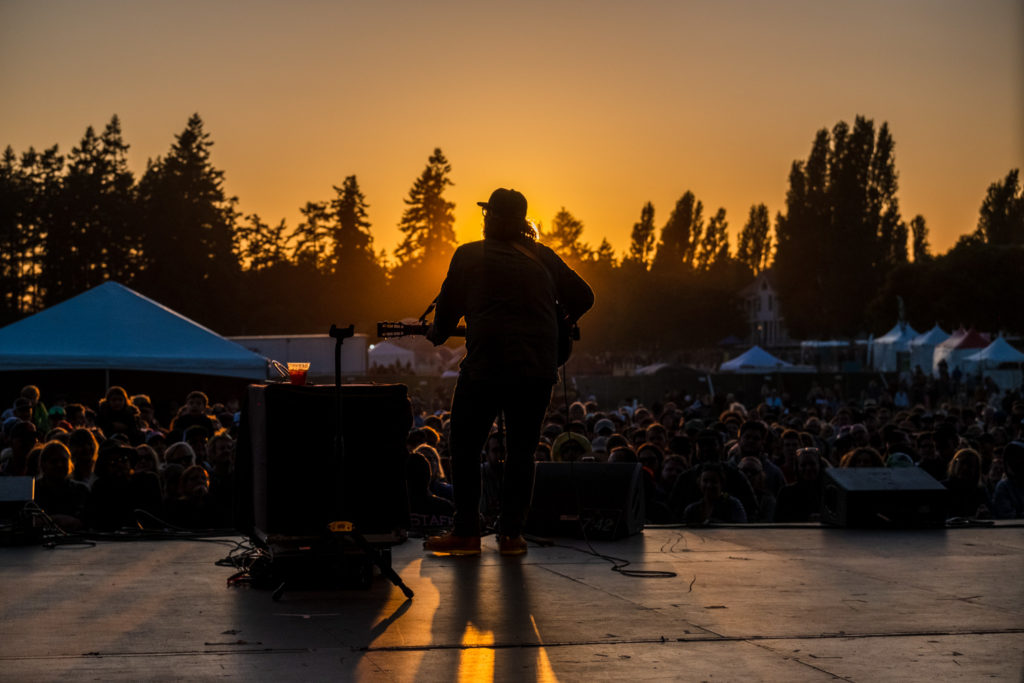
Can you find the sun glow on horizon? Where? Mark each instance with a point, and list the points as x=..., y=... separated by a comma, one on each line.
x=597, y=108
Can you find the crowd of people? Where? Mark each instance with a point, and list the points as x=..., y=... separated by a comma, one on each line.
x=716, y=460
x=114, y=465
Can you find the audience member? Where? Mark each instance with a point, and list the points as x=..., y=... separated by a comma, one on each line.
x=61, y=497
x=967, y=496
x=1008, y=497
x=715, y=504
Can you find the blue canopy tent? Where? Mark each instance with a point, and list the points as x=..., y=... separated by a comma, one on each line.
x=111, y=327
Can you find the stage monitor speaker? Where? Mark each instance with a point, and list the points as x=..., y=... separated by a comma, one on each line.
x=17, y=489
x=597, y=501
x=883, y=497
x=289, y=482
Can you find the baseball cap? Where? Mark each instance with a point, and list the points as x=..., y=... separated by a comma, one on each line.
x=506, y=202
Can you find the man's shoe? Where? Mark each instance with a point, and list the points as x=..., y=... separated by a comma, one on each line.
x=512, y=545
x=450, y=544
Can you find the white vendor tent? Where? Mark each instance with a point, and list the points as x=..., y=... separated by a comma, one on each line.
x=389, y=354
x=922, y=347
x=996, y=354
x=754, y=359
x=998, y=360
x=955, y=349
x=112, y=327
x=886, y=351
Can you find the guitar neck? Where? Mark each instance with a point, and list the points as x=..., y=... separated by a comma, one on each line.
x=393, y=330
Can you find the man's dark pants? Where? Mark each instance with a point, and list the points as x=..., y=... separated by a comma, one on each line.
x=475, y=406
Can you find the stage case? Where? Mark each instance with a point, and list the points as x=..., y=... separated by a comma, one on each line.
x=290, y=480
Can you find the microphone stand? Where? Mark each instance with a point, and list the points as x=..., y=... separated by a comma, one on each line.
x=341, y=528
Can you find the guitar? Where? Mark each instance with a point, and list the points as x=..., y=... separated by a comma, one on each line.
x=567, y=334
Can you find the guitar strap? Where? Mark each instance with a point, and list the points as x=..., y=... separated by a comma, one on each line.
x=430, y=308
x=533, y=255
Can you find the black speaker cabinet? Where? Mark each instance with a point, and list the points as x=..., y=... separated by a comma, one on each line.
x=289, y=481
x=598, y=501
x=883, y=497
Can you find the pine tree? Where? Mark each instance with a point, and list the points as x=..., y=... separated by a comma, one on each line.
x=354, y=267
x=566, y=237
x=119, y=203
x=92, y=236
x=755, y=241
x=313, y=243
x=428, y=222
x=350, y=227
x=641, y=239
x=23, y=188
x=188, y=252
x=260, y=246
x=605, y=254
x=34, y=184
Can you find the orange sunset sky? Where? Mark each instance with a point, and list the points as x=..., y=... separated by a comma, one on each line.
x=595, y=106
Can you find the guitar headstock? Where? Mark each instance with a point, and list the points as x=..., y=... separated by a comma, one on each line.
x=391, y=330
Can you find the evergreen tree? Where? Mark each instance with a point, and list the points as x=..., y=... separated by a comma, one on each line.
x=566, y=237
x=260, y=246
x=680, y=235
x=12, y=216
x=354, y=265
x=25, y=186
x=919, y=231
x=312, y=239
x=641, y=239
x=92, y=237
x=350, y=228
x=1001, y=217
x=34, y=184
x=188, y=250
x=428, y=222
x=605, y=254
x=755, y=242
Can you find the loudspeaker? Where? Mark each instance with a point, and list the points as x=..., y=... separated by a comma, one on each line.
x=289, y=482
x=883, y=497
x=17, y=489
x=597, y=501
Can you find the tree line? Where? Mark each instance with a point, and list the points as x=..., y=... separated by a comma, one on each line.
x=840, y=253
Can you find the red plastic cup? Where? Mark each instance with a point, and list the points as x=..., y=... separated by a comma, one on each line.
x=297, y=373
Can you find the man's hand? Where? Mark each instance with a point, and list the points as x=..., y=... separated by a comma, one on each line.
x=435, y=337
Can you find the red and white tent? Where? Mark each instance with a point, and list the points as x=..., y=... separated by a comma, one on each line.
x=957, y=348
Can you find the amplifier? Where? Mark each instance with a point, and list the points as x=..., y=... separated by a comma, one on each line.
x=883, y=497
x=289, y=481
x=597, y=501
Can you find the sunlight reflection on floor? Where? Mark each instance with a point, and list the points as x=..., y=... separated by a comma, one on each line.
x=476, y=663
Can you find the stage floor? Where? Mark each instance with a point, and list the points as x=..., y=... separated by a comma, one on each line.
x=751, y=604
